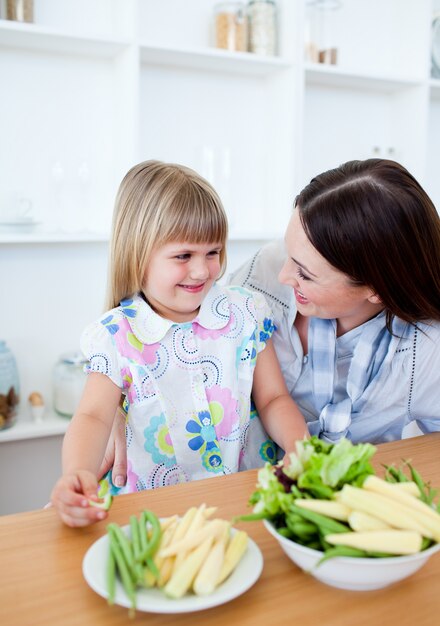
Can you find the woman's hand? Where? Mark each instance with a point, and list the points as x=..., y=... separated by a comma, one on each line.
x=115, y=457
x=71, y=496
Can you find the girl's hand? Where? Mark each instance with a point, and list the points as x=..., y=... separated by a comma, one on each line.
x=115, y=457
x=71, y=496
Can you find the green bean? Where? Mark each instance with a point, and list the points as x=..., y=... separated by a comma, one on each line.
x=135, y=537
x=124, y=572
x=252, y=517
x=153, y=543
x=143, y=536
x=292, y=519
x=341, y=551
x=325, y=524
x=136, y=545
x=111, y=575
x=125, y=546
x=419, y=482
x=304, y=529
x=152, y=567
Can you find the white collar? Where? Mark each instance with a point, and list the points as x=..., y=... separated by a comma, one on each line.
x=149, y=327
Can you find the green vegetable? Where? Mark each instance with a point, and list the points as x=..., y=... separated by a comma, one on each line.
x=341, y=551
x=122, y=566
x=143, y=536
x=136, y=547
x=104, y=503
x=125, y=546
x=427, y=494
x=135, y=538
x=319, y=470
x=325, y=524
x=111, y=576
x=150, y=546
x=131, y=558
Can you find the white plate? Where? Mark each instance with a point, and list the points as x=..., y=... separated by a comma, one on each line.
x=242, y=578
x=18, y=226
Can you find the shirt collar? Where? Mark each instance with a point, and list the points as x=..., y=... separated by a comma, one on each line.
x=149, y=327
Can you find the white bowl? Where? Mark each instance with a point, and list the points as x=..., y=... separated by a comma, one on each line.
x=356, y=574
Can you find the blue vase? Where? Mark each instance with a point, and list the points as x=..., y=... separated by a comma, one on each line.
x=9, y=387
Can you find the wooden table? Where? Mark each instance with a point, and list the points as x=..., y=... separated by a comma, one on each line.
x=41, y=579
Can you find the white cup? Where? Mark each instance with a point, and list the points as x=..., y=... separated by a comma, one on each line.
x=24, y=209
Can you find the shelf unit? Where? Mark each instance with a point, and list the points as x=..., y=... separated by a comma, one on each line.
x=334, y=77
x=98, y=85
x=52, y=237
x=50, y=426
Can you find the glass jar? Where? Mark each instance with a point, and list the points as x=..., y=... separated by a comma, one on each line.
x=262, y=27
x=321, y=32
x=68, y=383
x=231, y=26
x=9, y=387
x=20, y=10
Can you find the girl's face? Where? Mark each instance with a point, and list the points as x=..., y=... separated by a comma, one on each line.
x=178, y=277
x=320, y=289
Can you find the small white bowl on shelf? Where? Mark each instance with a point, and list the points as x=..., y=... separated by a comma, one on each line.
x=18, y=226
x=353, y=573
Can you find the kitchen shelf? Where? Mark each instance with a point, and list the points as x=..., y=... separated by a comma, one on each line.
x=212, y=59
x=34, y=38
x=24, y=429
x=334, y=76
x=55, y=238
x=52, y=237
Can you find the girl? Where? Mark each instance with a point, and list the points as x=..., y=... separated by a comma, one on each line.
x=184, y=352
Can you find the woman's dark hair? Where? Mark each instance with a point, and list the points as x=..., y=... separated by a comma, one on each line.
x=374, y=222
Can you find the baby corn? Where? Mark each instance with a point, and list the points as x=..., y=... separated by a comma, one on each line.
x=390, y=511
x=234, y=551
x=360, y=521
x=386, y=541
x=183, y=577
x=206, y=579
x=377, y=485
x=330, y=508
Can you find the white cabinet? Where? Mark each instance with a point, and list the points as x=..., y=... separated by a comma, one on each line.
x=376, y=101
x=95, y=86
x=82, y=104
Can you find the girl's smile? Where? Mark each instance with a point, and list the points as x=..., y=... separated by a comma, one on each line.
x=193, y=288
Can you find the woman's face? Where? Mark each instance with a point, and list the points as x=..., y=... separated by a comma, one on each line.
x=320, y=289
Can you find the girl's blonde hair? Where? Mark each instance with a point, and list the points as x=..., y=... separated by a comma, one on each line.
x=158, y=203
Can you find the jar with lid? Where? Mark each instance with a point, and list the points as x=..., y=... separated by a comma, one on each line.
x=68, y=383
x=231, y=26
x=9, y=387
x=262, y=27
x=321, y=33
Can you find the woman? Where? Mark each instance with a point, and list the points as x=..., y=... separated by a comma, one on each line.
x=358, y=308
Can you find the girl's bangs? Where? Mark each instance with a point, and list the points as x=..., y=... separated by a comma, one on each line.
x=196, y=220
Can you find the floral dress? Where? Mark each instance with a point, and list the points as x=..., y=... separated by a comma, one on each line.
x=187, y=386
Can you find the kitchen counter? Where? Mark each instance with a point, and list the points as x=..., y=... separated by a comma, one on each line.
x=41, y=579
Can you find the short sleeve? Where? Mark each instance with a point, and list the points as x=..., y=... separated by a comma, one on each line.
x=265, y=321
x=99, y=348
